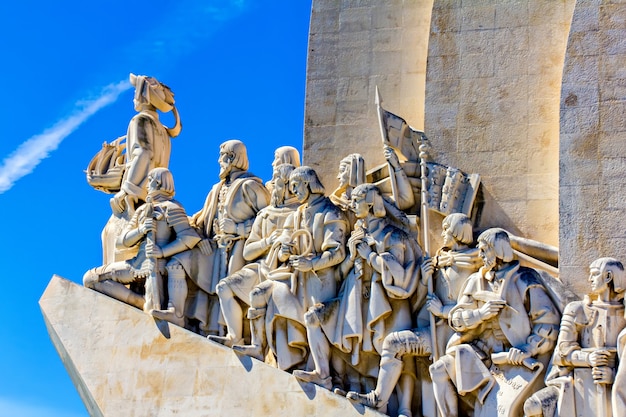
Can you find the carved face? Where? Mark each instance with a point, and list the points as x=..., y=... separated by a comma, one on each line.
x=153, y=185
x=279, y=190
x=344, y=175
x=277, y=161
x=488, y=255
x=446, y=234
x=300, y=189
x=360, y=206
x=226, y=163
x=599, y=281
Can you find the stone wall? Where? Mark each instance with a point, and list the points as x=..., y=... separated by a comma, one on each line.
x=516, y=91
x=593, y=139
x=355, y=46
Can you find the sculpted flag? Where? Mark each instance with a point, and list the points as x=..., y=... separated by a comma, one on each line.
x=449, y=189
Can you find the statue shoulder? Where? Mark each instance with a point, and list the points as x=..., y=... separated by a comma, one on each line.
x=529, y=277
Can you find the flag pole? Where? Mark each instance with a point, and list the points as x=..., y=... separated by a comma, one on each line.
x=424, y=220
x=383, y=133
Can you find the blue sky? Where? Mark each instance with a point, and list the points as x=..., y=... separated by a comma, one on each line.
x=237, y=68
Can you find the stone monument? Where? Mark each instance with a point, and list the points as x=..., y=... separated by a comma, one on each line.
x=501, y=120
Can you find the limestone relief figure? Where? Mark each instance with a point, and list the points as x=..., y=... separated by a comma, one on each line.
x=284, y=155
x=261, y=250
x=147, y=146
x=224, y=223
x=281, y=301
x=585, y=359
x=384, y=265
x=449, y=268
x=158, y=229
x=506, y=327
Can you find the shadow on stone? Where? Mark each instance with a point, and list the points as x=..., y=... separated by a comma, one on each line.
x=308, y=388
x=163, y=326
x=246, y=361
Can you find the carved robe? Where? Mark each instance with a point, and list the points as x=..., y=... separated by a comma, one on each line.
x=374, y=302
x=529, y=321
x=148, y=146
x=585, y=327
x=268, y=220
x=239, y=199
x=294, y=292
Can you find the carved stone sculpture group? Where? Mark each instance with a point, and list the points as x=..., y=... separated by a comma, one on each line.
x=336, y=289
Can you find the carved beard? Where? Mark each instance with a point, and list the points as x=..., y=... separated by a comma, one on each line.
x=225, y=172
x=490, y=264
x=277, y=198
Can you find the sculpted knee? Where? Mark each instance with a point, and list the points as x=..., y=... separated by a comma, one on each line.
x=392, y=346
x=222, y=289
x=532, y=407
x=438, y=372
x=257, y=297
x=90, y=279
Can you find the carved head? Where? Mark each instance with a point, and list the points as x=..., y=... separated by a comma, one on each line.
x=303, y=182
x=366, y=198
x=494, y=247
x=607, y=272
x=150, y=92
x=457, y=227
x=161, y=182
x=351, y=171
x=233, y=154
x=280, y=184
x=286, y=155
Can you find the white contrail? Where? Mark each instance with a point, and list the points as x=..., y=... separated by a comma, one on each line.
x=28, y=155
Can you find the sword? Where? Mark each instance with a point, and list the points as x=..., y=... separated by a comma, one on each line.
x=153, y=280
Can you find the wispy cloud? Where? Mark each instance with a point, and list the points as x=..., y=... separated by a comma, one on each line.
x=31, y=152
x=13, y=408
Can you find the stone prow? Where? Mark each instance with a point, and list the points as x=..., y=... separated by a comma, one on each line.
x=124, y=362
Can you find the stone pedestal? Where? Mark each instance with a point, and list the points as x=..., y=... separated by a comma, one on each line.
x=125, y=363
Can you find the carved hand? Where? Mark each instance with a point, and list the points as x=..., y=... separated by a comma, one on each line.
x=516, y=356
x=491, y=308
x=602, y=375
x=301, y=263
x=228, y=226
x=118, y=202
x=205, y=247
x=153, y=251
x=599, y=357
x=146, y=226
x=391, y=157
x=364, y=250
x=272, y=238
x=445, y=260
x=285, y=251
x=427, y=269
x=434, y=305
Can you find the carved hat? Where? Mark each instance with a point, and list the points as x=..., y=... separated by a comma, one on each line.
x=159, y=95
x=356, y=164
x=372, y=196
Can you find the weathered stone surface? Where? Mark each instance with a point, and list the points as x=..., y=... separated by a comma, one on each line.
x=125, y=363
x=593, y=139
x=355, y=46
